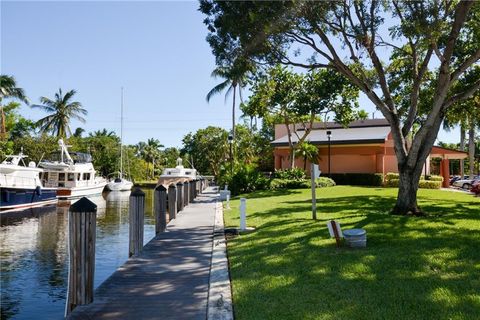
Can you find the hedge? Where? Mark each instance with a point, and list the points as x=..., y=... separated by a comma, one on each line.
x=321, y=182
x=358, y=179
x=392, y=180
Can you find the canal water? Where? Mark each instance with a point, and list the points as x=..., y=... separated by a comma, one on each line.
x=34, y=258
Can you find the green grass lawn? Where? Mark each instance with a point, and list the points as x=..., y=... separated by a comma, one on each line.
x=412, y=268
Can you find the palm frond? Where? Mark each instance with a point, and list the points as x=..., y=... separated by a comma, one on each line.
x=217, y=89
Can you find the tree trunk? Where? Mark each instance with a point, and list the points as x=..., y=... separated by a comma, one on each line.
x=471, y=150
x=233, y=126
x=233, y=113
x=462, y=148
x=292, y=158
x=407, y=190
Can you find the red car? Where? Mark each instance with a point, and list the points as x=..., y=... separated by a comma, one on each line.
x=476, y=187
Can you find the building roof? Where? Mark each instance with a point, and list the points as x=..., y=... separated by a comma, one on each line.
x=355, y=124
x=445, y=153
x=358, y=134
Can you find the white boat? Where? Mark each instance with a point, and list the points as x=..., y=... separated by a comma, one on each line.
x=73, y=175
x=20, y=185
x=120, y=183
x=177, y=174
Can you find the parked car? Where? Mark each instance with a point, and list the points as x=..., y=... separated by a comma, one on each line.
x=464, y=183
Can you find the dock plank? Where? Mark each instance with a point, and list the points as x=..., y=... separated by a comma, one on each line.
x=169, y=279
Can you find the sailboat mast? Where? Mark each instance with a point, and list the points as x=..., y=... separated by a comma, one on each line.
x=121, y=137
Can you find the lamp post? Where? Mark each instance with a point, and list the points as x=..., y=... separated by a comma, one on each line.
x=329, y=135
x=230, y=142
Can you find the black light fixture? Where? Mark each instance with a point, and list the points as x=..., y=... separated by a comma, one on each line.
x=329, y=135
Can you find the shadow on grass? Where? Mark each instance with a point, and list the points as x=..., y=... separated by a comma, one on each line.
x=268, y=194
x=413, y=268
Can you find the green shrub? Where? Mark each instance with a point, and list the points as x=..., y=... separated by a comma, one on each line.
x=358, y=179
x=435, y=178
x=392, y=183
x=290, y=174
x=391, y=176
x=430, y=184
x=290, y=184
x=323, y=182
x=245, y=179
x=434, y=183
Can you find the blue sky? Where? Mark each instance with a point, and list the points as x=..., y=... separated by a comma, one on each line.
x=155, y=50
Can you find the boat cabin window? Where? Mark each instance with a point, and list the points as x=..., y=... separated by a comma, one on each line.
x=45, y=176
x=79, y=176
x=86, y=176
x=71, y=176
x=187, y=172
x=61, y=176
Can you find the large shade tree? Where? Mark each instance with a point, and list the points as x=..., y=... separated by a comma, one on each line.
x=426, y=42
x=61, y=111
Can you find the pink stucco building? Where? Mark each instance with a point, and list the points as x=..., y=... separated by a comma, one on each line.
x=366, y=146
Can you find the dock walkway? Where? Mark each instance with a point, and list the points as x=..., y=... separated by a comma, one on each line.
x=169, y=279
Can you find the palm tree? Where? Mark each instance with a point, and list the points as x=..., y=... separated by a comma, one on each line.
x=150, y=152
x=309, y=152
x=9, y=89
x=235, y=77
x=61, y=110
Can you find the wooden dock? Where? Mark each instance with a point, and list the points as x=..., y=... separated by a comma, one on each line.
x=169, y=279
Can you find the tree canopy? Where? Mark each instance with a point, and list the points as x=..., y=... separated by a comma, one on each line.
x=395, y=52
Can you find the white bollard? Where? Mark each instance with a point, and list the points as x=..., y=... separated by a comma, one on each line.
x=243, y=215
x=228, y=202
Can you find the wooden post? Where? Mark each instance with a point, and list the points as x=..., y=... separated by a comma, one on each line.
x=192, y=190
x=186, y=195
x=179, y=196
x=136, y=220
x=199, y=186
x=160, y=209
x=335, y=232
x=172, y=202
x=81, y=245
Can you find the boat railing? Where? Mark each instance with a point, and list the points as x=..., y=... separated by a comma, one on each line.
x=6, y=180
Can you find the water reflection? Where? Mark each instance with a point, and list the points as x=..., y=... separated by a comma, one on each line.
x=34, y=258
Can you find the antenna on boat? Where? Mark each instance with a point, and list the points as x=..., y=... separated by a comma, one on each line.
x=121, y=136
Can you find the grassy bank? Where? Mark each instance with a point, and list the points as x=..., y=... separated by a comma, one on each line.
x=413, y=268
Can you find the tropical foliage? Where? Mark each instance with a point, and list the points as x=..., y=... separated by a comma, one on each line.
x=61, y=111
x=430, y=47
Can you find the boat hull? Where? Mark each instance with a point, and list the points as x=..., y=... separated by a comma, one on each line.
x=21, y=198
x=119, y=186
x=78, y=192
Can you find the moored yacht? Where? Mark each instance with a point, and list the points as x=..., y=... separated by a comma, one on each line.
x=120, y=183
x=20, y=185
x=73, y=175
x=177, y=174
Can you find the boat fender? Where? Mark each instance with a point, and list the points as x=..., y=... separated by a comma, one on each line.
x=38, y=191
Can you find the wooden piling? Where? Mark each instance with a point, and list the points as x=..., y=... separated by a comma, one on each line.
x=81, y=245
x=179, y=196
x=186, y=194
x=160, y=209
x=136, y=220
x=172, y=202
x=192, y=190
